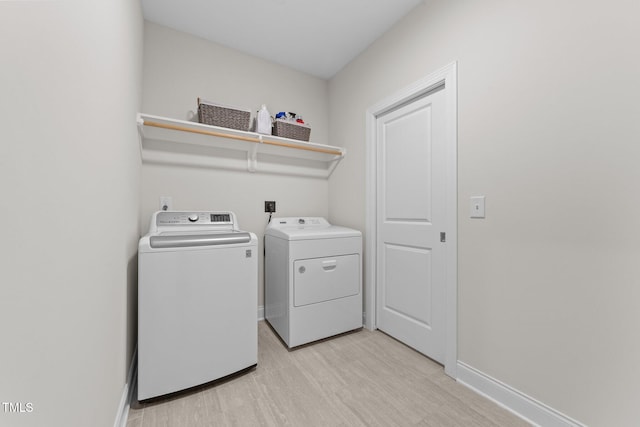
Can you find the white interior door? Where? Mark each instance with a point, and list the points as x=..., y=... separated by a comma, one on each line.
x=411, y=201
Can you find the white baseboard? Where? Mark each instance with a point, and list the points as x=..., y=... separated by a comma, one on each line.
x=125, y=401
x=527, y=408
x=260, y=312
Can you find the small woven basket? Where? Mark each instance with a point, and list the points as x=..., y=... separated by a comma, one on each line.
x=223, y=116
x=287, y=129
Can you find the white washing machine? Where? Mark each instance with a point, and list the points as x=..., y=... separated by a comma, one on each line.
x=313, y=279
x=197, y=301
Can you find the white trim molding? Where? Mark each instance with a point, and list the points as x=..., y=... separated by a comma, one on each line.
x=447, y=77
x=526, y=407
x=122, y=415
x=260, y=312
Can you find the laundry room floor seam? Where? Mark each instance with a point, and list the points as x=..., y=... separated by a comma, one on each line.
x=361, y=378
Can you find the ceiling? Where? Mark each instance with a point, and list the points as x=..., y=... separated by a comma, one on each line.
x=318, y=37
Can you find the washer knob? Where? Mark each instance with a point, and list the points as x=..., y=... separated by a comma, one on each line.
x=193, y=218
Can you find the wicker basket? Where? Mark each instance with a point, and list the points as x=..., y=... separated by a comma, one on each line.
x=224, y=116
x=287, y=129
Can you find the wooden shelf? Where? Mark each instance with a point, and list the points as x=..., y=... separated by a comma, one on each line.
x=180, y=142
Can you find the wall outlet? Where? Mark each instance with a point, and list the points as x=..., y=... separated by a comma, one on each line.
x=270, y=206
x=166, y=203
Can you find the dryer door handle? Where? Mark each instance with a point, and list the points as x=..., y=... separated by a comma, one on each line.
x=329, y=265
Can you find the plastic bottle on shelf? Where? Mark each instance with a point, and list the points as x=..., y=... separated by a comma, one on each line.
x=263, y=121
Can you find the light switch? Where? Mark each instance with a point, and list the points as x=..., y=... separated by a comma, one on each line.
x=477, y=207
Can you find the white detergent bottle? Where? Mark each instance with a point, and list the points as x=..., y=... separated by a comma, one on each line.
x=263, y=121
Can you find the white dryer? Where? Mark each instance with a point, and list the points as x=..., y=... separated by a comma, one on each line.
x=313, y=279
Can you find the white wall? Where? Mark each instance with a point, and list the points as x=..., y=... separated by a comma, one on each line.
x=69, y=174
x=549, y=133
x=179, y=68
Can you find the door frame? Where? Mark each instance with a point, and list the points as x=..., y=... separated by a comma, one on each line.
x=447, y=77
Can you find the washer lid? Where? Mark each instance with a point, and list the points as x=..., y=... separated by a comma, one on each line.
x=304, y=228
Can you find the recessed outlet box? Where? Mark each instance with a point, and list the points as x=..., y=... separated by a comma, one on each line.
x=166, y=203
x=270, y=206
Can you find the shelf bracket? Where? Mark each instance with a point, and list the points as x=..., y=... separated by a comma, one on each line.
x=334, y=163
x=252, y=156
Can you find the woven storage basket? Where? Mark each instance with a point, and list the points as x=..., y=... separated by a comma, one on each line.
x=287, y=129
x=224, y=116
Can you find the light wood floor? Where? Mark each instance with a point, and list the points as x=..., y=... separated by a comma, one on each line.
x=357, y=379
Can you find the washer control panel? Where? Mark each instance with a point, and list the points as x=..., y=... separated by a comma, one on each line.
x=169, y=218
x=195, y=221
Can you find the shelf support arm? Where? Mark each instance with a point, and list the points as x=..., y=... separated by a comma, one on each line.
x=252, y=156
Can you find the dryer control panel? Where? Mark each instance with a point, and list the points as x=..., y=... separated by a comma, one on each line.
x=299, y=221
